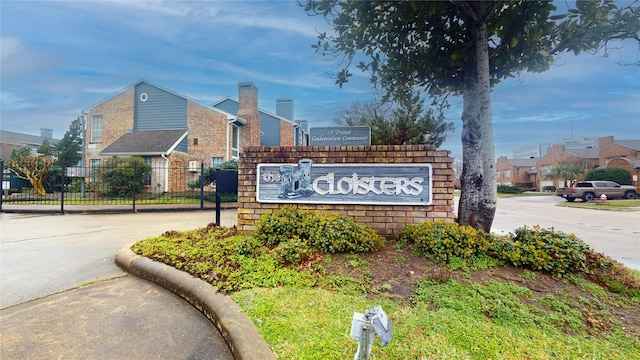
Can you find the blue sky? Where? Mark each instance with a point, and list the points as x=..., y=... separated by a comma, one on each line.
x=60, y=57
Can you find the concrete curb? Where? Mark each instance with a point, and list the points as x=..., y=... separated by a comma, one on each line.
x=239, y=332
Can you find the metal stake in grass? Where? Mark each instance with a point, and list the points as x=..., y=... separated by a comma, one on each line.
x=365, y=326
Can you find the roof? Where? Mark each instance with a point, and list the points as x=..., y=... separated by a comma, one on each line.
x=230, y=105
x=588, y=153
x=10, y=137
x=633, y=144
x=531, y=162
x=228, y=115
x=147, y=142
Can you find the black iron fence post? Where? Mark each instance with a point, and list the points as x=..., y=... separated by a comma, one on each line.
x=62, y=186
x=2, y=184
x=135, y=183
x=202, y=185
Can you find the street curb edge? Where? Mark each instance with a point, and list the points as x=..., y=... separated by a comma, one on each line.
x=236, y=328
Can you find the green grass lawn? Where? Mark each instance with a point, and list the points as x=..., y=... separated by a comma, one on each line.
x=526, y=193
x=608, y=205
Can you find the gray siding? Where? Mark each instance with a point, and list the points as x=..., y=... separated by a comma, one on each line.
x=162, y=110
x=228, y=105
x=184, y=145
x=270, y=127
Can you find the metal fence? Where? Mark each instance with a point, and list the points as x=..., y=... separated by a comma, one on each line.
x=135, y=184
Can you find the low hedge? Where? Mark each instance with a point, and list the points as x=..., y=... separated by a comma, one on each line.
x=534, y=248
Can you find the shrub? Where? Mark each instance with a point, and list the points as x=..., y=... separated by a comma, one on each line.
x=294, y=251
x=619, y=175
x=611, y=274
x=229, y=165
x=508, y=189
x=441, y=240
x=283, y=224
x=120, y=177
x=334, y=233
x=327, y=232
x=526, y=186
x=549, y=188
x=248, y=246
x=193, y=184
x=542, y=249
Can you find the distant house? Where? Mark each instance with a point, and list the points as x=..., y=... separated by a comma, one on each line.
x=10, y=140
x=558, y=154
x=170, y=130
x=590, y=152
x=517, y=172
x=620, y=154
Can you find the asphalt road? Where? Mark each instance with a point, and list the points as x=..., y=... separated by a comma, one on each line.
x=614, y=233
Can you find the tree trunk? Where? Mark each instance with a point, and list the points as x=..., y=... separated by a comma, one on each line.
x=38, y=186
x=479, y=192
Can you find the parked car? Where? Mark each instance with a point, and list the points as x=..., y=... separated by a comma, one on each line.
x=589, y=190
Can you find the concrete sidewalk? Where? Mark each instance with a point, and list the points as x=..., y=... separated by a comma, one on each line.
x=121, y=318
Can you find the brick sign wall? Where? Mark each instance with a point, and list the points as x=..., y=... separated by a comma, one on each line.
x=420, y=167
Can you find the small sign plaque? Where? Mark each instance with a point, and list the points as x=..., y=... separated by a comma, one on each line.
x=305, y=182
x=337, y=136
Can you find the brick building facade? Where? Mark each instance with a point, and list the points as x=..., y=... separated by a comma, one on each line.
x=517, y=172
x=623, y=154
x=607, y=152
x=557, y=154
x=143, y=119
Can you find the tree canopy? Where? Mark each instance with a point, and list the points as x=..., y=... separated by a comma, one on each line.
x=406, y=124
x=27, y=166
x=567, y=172
x=619, y=175
x=464, y=48
x=68, y=149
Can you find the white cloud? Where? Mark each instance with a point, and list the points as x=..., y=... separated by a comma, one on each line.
x=9, y=46
x=11, y=101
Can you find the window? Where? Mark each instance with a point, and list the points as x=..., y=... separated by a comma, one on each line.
x=545, y=169
x=517, y=171
x=235, y=143
x=216, y=162
x=96, y=128
x=507, y=173
x=147, y=176
x=94, y=167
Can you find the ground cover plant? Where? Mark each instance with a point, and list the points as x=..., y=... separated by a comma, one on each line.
x=450, y=291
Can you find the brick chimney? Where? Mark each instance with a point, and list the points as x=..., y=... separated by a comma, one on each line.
x=46, y=133
x=284, y=108
x=248, y=110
